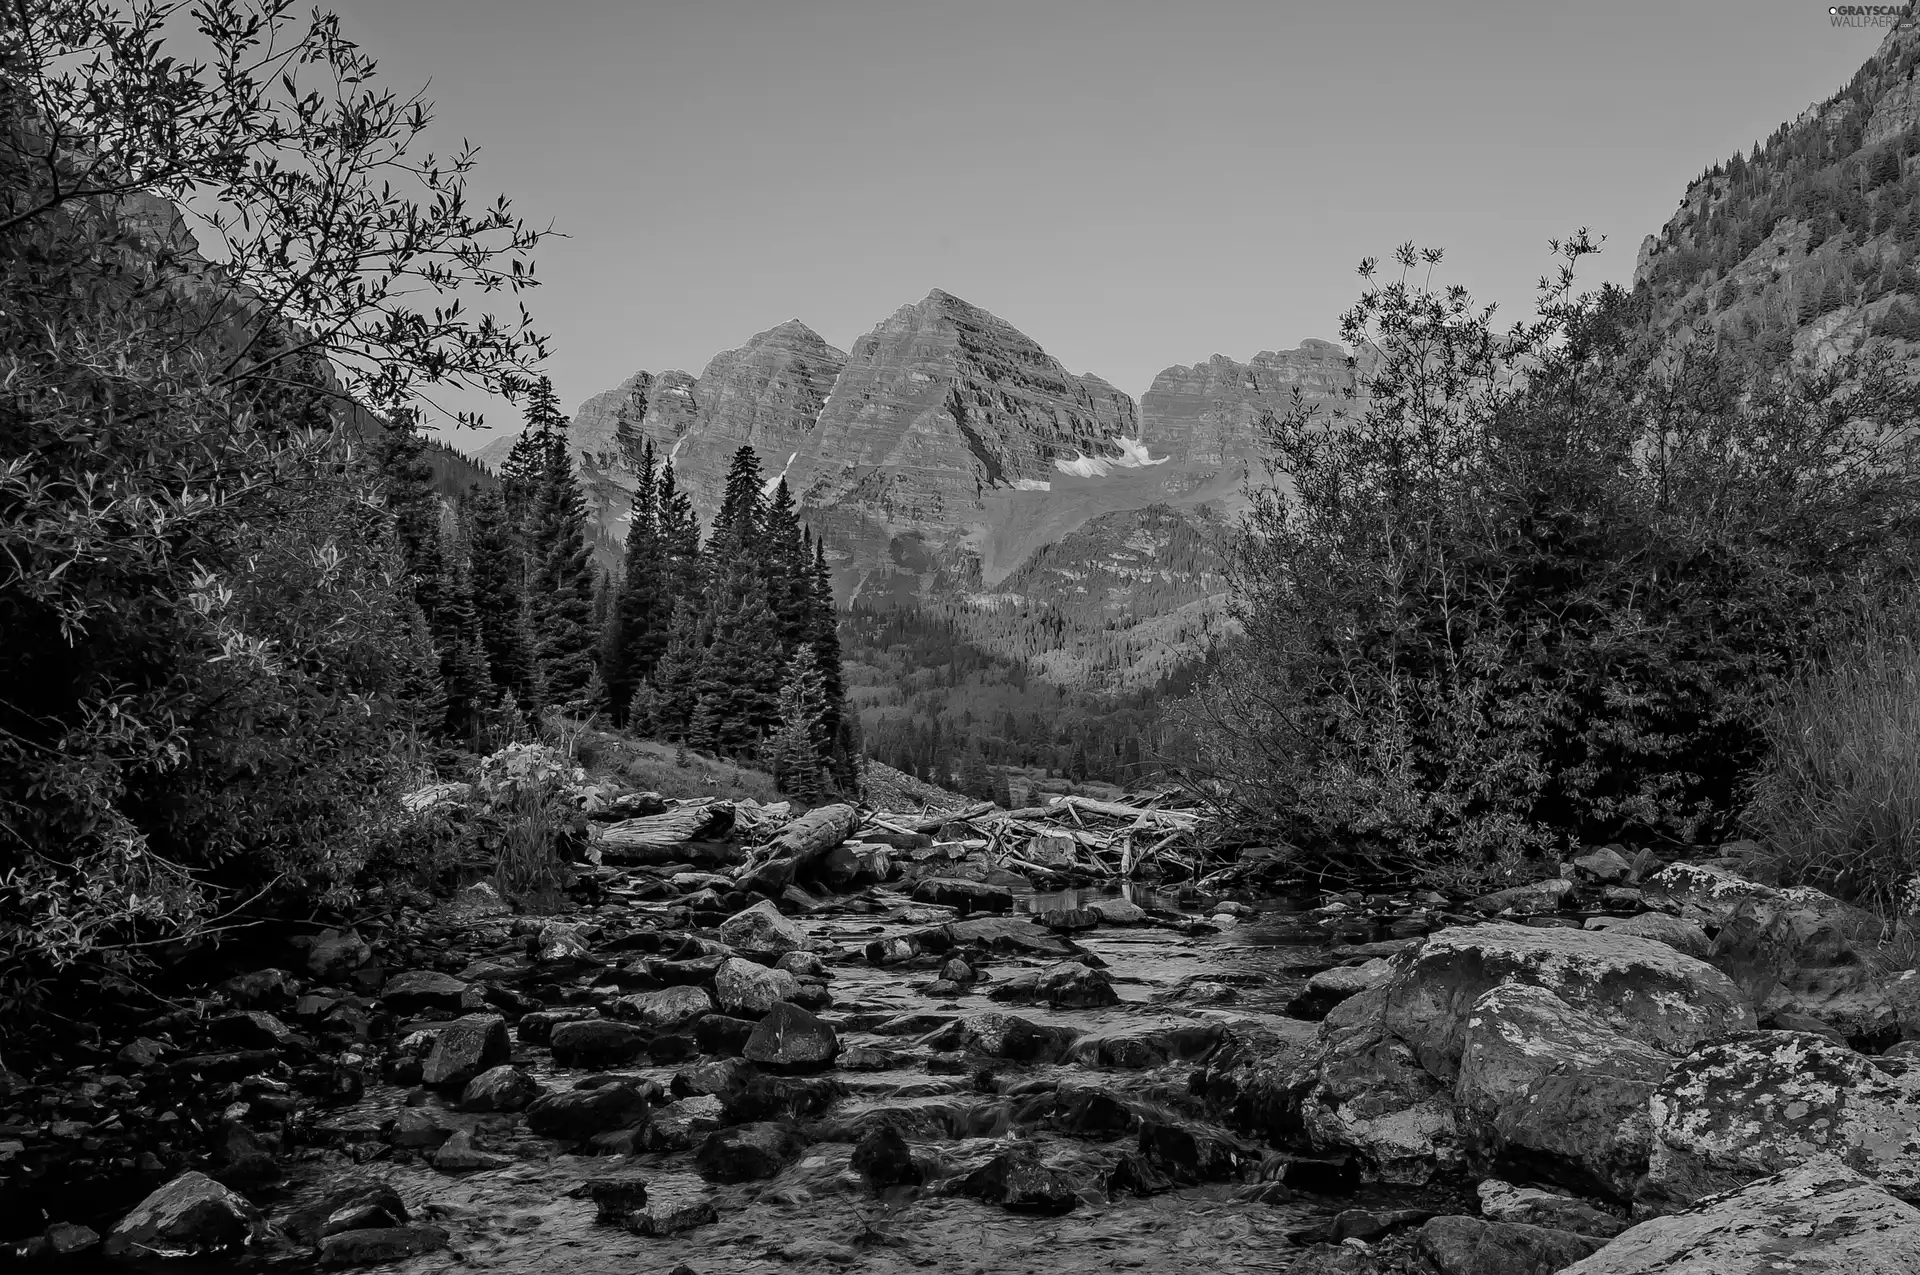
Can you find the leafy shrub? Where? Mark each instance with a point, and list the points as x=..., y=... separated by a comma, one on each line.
x=1838, y=801
x=1539, y=589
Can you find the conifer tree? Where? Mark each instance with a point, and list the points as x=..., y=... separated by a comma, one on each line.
x=737, y=526
x=562, y=592
x=455, y=626
x=406, y=477
x=640, y=623
x=680, y=552
x=796, y=754
x=786, y=561
x=823, y=636
x=736, y=688
x=498, y=574
x=674, y=677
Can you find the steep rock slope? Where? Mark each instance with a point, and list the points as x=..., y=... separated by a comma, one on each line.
x=1808, y=244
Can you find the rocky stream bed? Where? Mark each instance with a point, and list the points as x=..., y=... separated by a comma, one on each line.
x=1634, y=1067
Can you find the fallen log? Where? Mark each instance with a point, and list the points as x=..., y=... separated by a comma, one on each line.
x=933, y=823
x=1114, y=809
x=804, y=841
x=661, y=838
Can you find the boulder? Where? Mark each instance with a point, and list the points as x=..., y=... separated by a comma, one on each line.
x=1761, y=1102
x=376, y=1246
x=791, y=1038
x=596, y=1043
x=1532, y=899
x=761, y=931
x=582, y=1113
x=1817, y=1218
x=1644, y=990
x=883, y=1159
x=748, y=990
x=1703, y=894
x=334, y=954
x=614, y=1198
x=968, y=896
x=1004, y=1036
x=1504, y=1202
x=668, y=1008
x=1067, y=985
x=191, y=1214
x=1364, y=1090
x=1473, y=1246
x=1560, y=1090
x=660, y=1220
x=1329, y=987
x=419, y=990
x=1120, y=912
x=502, y=1088
x=1007, y=934
x=1806, y=954
x=356, y=1205
x=458, y=1155
x=464, y=1048
x=1019, y=1183
x=1605, y=866
x=1681, y=936
x=678, y=1125
x=746, y=1153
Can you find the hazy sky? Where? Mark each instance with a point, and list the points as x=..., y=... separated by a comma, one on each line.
x=1132, y=184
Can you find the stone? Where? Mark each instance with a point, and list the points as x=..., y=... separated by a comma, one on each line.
x=335, y=954
x=761, y=931
x=419, y=1127
x=597, y=1043
x=251, y=1029
x=1067, y=985
x=1364, y=1090
x=1068, y=920
x=1006, y=934
x=614, y=1198
x=1816, y=1218
x=378, y=1246
x=792, y=1038
x=1188, y=1154
x=855, y=863
x=1644, y=990
x=502, y=1088
x=746, y=1153
x=1681, y=936
x=968, y=896
x=1019, y=1183
x=1804, y=953
x=355, y=1205
x=1120, y=912
x=1554, y=1087
x=1605, y=866
x=458, y=1155
x=1329, y=987
x=536, y=1028
x=722, y=1034
x=668, y=1008
x=464, y=1048
x=660, y=1220
x=802, y=965
x=582, y=1113
x=1004, y=1036
x=191, y=1214
x=883, y=1159
x=66, y=1239
x=1705, y=895
x=1504, y=1202
x=680, y=1124
x=1762, y=1102
x=1532, y=899
x=1472, y=1246
x=747, y=990
x=558, y=941
x=418, y=990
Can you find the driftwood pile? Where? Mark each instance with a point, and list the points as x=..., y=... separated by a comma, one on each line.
x=1068, y=838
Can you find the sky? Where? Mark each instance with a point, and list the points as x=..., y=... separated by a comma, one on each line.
x=1132, y=184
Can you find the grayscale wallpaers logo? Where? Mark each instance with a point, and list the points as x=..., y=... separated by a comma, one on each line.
x=1869, y=15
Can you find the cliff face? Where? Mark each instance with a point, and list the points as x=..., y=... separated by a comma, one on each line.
x=1208, y=416
x=1806, y=246
x=940, y=405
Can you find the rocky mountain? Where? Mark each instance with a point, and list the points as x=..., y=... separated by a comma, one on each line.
x=948, y=449
x=1807, y=244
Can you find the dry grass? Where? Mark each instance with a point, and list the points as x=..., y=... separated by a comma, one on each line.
x=668, y=770
x=1839, y=800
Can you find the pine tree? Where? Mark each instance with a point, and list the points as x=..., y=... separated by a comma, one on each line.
x=406, y=477
x=681, y=562
x=786, y=561
x=562, y=591
x=1002, y=790
x=643, y=617
x=974, y=780
x=679, y=666
x=795, y=753
x=736, y=689
x=737, y=526
x=823, y=636
x=455, y=626
x=498, y=572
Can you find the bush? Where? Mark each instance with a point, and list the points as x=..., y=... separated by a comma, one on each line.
x=1838, y=801
x=1538, y=590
